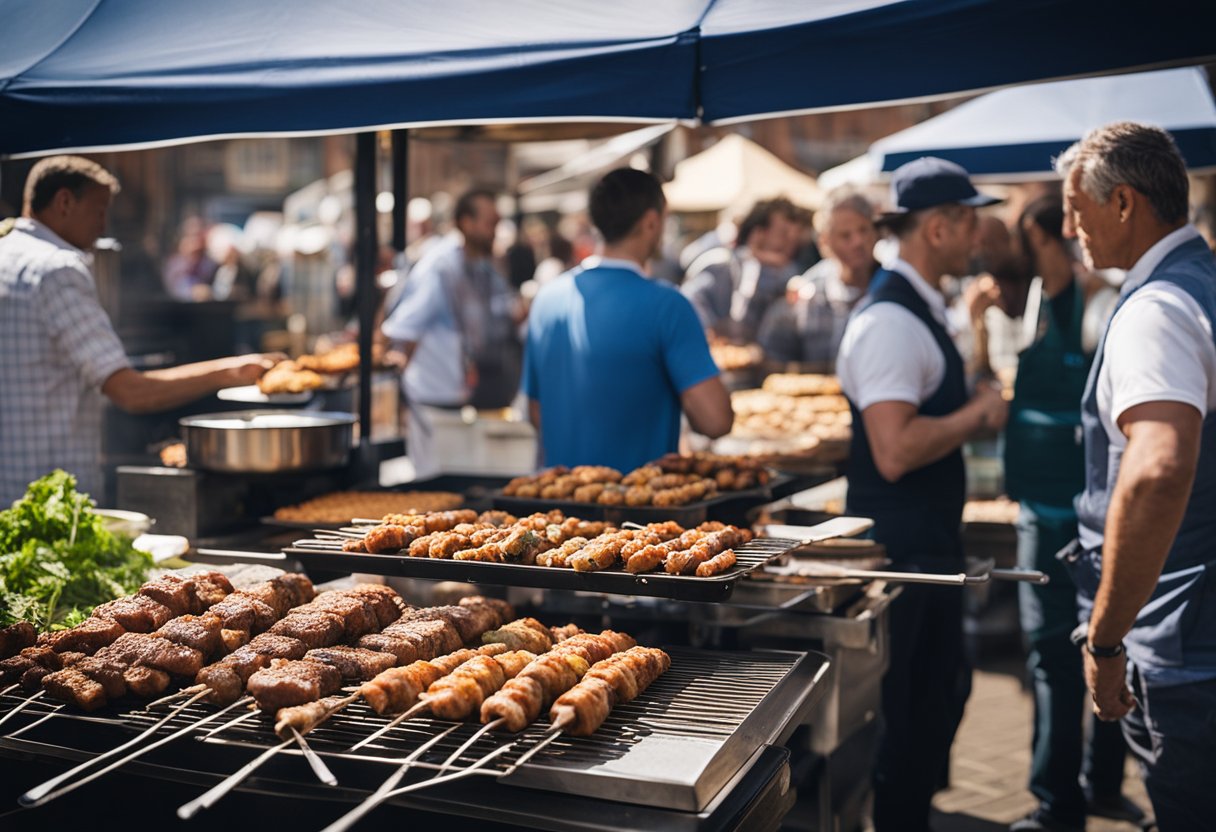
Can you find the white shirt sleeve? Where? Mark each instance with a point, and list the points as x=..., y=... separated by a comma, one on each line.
x=888, y=354
x=1159, y=349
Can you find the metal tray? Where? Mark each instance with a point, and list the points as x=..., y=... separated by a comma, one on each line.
x=610, y=581
x=478, y=490
x=725, y=506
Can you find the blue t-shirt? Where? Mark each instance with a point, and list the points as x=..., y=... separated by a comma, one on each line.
x=608, y=355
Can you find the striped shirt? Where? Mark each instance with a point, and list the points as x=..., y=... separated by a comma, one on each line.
x=57, y=347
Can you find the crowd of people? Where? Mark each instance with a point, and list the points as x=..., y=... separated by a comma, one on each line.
x=1109, y=423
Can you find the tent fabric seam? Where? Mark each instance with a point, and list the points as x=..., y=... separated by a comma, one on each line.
x=84, y=18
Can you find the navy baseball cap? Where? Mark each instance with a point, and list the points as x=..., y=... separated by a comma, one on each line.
x=928, y=182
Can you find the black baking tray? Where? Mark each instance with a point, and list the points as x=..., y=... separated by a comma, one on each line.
x=478, y=491
x=613, y=581
x=728, y=506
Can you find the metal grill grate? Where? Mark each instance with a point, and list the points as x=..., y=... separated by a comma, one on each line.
x=706, y=700
x=322, y=554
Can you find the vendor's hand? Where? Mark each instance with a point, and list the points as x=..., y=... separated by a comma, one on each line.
x=1107, y=683
x=994, y=410
x=247, y=369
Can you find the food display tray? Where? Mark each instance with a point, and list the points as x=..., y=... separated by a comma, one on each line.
x=314, y=556
x=478, y=491
x=728, y=506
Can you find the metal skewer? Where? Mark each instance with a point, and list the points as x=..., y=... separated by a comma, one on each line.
x=47, y=791
x=379, y=732
x=385, y=789
x=478, y=734
x=318, y=765
x=447, y=778
x=230, y=723
x=173, y=697
x=34, y=697
x=210, y=797
x=11, y=687
x=52, y=713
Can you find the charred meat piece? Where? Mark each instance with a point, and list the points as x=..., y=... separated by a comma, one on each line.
x=403, y=649
x=298, y=587
x=276, y=646
x=88, y=636
x=16, y=637
x=105, y=673
x=175, y=592
x=136, y=613
x=317, y=628
x=287, y=683
x=12, y=668
x=210, y=588
x=71, y=686
x=245, y=612
x=356, y=664
x=145, y=682
x=466, y=620
x=358, y=616
x=426, y=639
x=159, y=653
x=382, y=599
x=201, y=632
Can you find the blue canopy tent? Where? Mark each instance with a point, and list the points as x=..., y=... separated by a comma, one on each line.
x=1012, y=135
x=112, y=74
x=91, y=74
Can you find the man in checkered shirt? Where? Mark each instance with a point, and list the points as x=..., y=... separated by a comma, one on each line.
x=59, y=353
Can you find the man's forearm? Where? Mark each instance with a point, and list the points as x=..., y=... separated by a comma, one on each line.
x=901, y=447
x=1145, y=512
x=146, y=393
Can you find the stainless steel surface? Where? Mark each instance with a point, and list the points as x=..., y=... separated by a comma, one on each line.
x=836, y=527
x=814, y=569
x=1031, y=576
x=677, y=746
x=268, y=441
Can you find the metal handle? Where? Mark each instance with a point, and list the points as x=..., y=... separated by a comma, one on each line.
x=1030, y=576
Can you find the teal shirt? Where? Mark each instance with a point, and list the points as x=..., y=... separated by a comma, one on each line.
x=607, y=356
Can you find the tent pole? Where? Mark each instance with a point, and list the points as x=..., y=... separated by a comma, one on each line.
x=401, y=188
x=365, y=280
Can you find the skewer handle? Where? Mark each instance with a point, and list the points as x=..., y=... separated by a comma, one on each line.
x=212, y=796
x=314, y=760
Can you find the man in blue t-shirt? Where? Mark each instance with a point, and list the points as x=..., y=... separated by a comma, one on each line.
x=612, y=357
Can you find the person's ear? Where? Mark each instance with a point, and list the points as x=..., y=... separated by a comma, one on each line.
x=1124, y=199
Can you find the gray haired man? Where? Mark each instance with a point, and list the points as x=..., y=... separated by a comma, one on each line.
x=1146, y=562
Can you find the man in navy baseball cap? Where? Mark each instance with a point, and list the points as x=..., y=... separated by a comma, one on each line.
x=929, y=182
x=912, y=412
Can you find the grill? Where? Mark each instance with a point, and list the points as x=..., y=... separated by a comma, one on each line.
x=325, y=554
x=676, y=746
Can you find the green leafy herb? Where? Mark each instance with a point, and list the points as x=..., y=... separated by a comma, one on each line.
x=58, y=560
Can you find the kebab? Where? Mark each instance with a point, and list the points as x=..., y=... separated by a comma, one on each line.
x=420, y=634
x=142, y=663
x=521, y=699
x=398, y=531
x=582, y=709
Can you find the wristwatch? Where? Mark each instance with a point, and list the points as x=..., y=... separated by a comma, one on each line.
x=1104, y=652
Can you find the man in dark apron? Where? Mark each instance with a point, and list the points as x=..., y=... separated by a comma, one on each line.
x=1044, y=471
x=907, y=390
x=1147, y=517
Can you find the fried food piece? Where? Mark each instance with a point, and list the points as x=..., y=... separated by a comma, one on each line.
x=641, y=476
x=619, y=678
x=639, y=495
x=289, y=377
x=612, y=496
x=303, y=718
x=588, y=493
x=560, y=556
x=502, y=609
x=500, y=519
x=388, y=539
x=522, y=634
x=716, y=565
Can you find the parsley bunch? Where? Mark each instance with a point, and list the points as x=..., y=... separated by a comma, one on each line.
x=57, y=559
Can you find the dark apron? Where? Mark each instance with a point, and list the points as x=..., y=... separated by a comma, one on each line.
x=1044, y=454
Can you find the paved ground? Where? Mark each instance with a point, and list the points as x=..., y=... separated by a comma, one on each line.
x=992, y=757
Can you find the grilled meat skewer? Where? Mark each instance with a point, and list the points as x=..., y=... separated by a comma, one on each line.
x=582, y=709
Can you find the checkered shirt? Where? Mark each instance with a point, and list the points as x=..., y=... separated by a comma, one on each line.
x=57, y=347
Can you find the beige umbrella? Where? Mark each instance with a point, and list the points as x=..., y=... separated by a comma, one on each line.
x=732, y=175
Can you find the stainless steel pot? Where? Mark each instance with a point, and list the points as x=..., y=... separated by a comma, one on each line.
x=267, y=441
